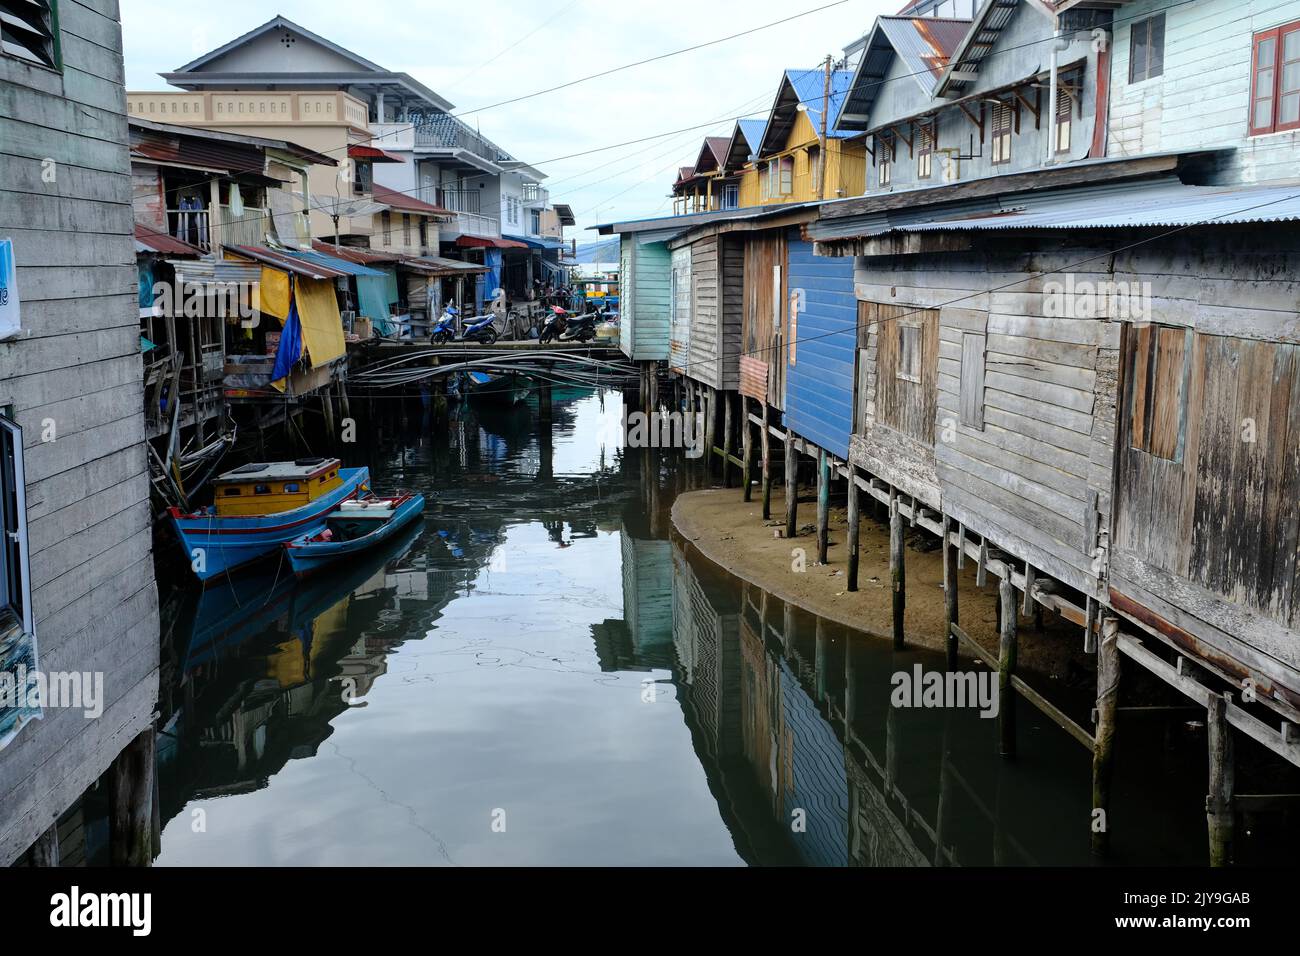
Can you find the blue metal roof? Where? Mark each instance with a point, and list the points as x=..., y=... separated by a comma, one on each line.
x=810, y=88
x=333, y=262
x=537, y=242
x=752, y=130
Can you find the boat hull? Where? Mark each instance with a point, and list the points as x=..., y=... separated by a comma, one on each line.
x=233, y=542
x=307, y=557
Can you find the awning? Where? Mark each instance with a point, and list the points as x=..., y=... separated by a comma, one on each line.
x=366, y=257
x=336, y=262
x=150, y=240
x=476, y=242
x=438, y=266
x=373, y=154
x=545, y=242
x=286, y=262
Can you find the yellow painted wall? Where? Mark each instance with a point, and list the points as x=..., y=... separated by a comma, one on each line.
x=846, y=168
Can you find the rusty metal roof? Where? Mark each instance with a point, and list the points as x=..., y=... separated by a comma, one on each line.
x=151, y=240
x=923, y=44
x=407, y=203
x=286, y=263
x=365, y=257
x=990, y=21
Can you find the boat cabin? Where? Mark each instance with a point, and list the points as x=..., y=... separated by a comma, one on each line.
x=271, y=487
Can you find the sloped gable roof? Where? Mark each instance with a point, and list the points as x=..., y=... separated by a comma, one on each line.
x=713, y=154
x=744, y=142
x=923, y=44
x=280, y=23
x=806, y=88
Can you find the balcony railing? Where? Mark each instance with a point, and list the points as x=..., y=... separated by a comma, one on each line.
x=484, y=227
x=194, y=226
x=446, y=133
x=535, y=193
x=459, y=200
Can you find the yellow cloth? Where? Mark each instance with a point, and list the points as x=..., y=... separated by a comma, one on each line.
x=322, y=326
x=274, y=293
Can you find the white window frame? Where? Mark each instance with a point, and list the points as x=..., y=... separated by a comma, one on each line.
x=12, y=439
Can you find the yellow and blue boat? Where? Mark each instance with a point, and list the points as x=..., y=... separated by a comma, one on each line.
x=260, y=506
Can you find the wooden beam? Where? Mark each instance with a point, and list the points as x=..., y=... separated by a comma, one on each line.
x=1108, y=671
x=1006, y=668
x=897, y=572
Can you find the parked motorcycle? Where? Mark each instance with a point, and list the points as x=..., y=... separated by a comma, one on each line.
x=554, y=325
x=445, y=330
x=478, y=329
x=580, y=327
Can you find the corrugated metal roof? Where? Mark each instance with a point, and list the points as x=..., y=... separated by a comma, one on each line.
x=150, y=240
x=286, y=262
x=990, y=21
x=355, y=254
x=712, y=154
x=1165, y=203
x=806, y=88
x=407, y=203
x=336, y=263
x=924, y=44
x=437, y=265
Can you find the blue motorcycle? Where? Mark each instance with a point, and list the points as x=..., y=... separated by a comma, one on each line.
x=479, y=329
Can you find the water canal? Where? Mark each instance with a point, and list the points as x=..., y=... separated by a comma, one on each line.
x=540, y=674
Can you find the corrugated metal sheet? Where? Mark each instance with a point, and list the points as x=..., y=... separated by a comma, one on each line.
x=355, y=254
x=807, y=87
x=336, y=263
x=979, y=42
x=1165, y=203
x=819, y=382
x=924, y=44
x=150, y=240
x=286, y=263
x=753, y=378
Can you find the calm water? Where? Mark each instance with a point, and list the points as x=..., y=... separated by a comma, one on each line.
x=537, y=674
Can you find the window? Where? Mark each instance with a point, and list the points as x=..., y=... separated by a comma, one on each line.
x=731, y=196
x=406, y=229
x=787, y=175
x=1146, y=49
x=292, y=488
x=29, y=31
x=885, y=160
x=15, y=581
x=815, y=167
x=232, y=492
x=535, y=221
x=261, y=489
x=1002, y=123
x=909, y=352
x=1062, y=127
x=1275, y=81
x=386, y=226
x=1159, y=367
x=971, y=396
x=924, y=150
x=363, y=177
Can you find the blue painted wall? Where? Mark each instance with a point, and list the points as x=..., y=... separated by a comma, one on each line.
x=819, y=385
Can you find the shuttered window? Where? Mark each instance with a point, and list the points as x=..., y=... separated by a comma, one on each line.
x=909, y=352
x=1146, y=59
x=1275, y=81
x=1159, y=367
x=925, y=150
x=1002, y=120
x=29, y=31
x=971, y=398
x=885, y=160
x=1063, y=125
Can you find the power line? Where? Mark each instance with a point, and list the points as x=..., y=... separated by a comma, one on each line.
x=529, y=34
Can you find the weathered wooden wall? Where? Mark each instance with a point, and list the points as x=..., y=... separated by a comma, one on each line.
x=731, y=308
x=681, y=300
x=762, y=332
x=704, y=349
x=78, y=366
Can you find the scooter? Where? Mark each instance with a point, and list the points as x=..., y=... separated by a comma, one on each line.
x=580, y=327
x=479, y=329
x=554, y=325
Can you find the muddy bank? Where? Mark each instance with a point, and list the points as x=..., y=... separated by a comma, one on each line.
x=732, y=534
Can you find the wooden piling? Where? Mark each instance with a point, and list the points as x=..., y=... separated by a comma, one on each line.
x=1006, y=668
x=823, y=506
x=747, y=450
x=728, y=449
x=1219, y=810
x=897, y=571
x=45, y=851
x=855, y=521
x=545, y=409
x=1108, y=671
x=131, y=803
x=708, y=399
x=950, y=581
x=791, y=486
x=765, y=443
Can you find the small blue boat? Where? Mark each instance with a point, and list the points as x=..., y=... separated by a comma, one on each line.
x=355, y=527
x=260, y=506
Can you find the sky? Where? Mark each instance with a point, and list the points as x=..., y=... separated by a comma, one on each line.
x=471, y=53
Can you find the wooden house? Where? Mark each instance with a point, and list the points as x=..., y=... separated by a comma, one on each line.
x=710, y=184
x=78, y=594
x=788, y=163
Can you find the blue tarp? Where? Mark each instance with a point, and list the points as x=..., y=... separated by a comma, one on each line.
x=374, y=295
x=290, y=349
x=492, y=278
x=335, y=263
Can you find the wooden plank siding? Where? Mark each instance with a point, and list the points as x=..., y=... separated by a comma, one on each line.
x=681, y=300
x=704, y=350
x=76, y=366
x=762, y=330
x=645, y=277
x=821, y=352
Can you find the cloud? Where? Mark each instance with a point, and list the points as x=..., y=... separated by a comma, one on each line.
x=445, y=46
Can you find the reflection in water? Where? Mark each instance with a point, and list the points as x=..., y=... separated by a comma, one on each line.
x=536, y=673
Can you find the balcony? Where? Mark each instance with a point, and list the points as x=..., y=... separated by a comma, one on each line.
x=472, y=224
x=445, y=132
x=194, y=226
x=535, y=194
x=459, y=200
x=251, y=108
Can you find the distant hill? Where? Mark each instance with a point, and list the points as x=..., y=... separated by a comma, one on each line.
x=600, y=250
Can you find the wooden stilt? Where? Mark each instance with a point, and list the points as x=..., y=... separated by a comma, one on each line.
x=1029, y=603
x=1006, y=667
x=897, y=571
x=791, y=486
x=950, y=581
x=747, y=454
x=823, y=506
x=981, y=568
x=1219, y=811
x=709, y=400
x=131, y=803
x=728, y=449
x=820, y=645
x=1108, y=671
x=855, y=521
x=765, y=444
x=1090, y=626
